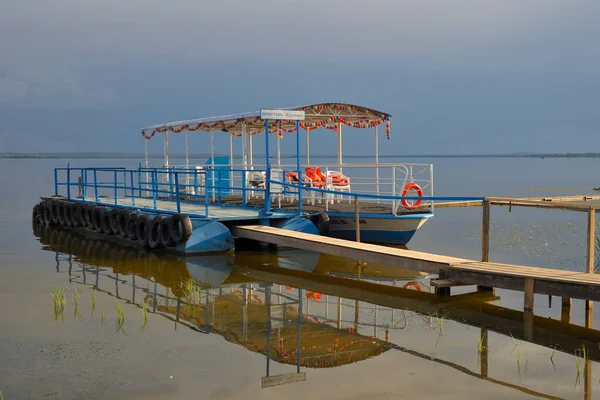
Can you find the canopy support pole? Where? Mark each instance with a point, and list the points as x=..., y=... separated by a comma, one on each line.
x=244, y=139
x=212, y=162
x=187, y=154
x=146, y=148
x=298, y=166
x=250, y=152
x=146, y=151
x=307, y=146
x=340, y=159
x=231, y=163
x=187, y=160
x=268, y=167
x=377, y=159
x=278, y=152
x=166, y=149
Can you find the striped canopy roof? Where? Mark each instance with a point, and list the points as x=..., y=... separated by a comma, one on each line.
x=317, y=115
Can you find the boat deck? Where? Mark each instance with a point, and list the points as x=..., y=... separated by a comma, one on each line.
x=215, y=212
x=343, y=206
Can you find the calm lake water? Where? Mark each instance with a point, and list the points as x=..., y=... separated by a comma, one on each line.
x=140, y=326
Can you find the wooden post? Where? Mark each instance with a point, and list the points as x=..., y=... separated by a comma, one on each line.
x=591, y=238
x=485, y=232
x=485, y=240
x=528, y=309
x=529, y=294
x=565, y=312
x=587, y=369
x=79, y=185
x=528, y=325
x=443, y=291
x=357, y=219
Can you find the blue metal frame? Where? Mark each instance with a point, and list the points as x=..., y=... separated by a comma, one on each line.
x=170, y=190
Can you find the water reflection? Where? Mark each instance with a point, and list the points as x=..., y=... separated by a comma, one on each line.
x=298, y=308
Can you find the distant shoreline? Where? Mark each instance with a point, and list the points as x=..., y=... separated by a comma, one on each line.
x=258, y=156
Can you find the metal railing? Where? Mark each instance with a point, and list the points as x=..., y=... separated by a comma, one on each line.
x=121, y=187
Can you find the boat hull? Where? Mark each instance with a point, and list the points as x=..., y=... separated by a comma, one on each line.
x=207, y=237
x=383, y=229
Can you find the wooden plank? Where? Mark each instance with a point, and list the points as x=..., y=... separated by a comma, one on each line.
x=409, y=259
x=591, y=237
x=456, y=204
x=555, y=287
x=540, y=204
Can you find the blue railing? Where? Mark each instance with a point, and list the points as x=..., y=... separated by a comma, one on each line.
x=189, y=185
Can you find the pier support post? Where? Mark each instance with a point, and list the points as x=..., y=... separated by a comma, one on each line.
x=565, y=312
x=591, y=238
x=529, y=294
x=485, y=241
x=587, y=369
x=443, y=291
x=357, y=218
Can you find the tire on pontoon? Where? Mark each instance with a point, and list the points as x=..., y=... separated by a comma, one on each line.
x=99, y=212
x=154, y=232
x=80, y=211
x=166, y=236
x=132, y=220
x=180, y=227
x=47, y=213
x=113, y=216
x=90, y=212
x=106, y=223
x=141, y=229
x=122, y=218
x=73, y=215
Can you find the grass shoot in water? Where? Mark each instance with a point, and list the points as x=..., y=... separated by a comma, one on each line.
x=145, y=316
x=120, y=316
x=58, y=296
x=93, y=292
x=76, y=314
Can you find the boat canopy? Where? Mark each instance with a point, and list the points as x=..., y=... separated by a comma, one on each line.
x=323, y=115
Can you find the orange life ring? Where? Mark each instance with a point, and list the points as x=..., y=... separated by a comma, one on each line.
x=412, y=186
x=413, y=284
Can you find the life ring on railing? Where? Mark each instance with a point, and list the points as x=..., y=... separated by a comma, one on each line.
x=412, y=186
x=413, y=284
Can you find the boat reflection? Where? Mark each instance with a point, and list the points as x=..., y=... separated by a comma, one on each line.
x=300, y=313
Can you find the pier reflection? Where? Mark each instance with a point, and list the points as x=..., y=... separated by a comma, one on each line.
x=300, y=309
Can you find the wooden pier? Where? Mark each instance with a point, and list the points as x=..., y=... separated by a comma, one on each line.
x=453, y=271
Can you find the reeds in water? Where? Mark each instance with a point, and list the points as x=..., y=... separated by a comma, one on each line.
x=145, y=317
x=120, y=316
x=60, y=302
x=93, y=293
x=76, y=314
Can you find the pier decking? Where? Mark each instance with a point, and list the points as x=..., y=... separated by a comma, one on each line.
x=456, y=270
x=215, y=211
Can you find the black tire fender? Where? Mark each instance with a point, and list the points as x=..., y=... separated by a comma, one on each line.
x=142, y=228
x=180, y=228
x=166, y=235
x=154, y=232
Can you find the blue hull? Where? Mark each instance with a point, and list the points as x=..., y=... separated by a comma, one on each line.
x=207, y=237
x=384, y=237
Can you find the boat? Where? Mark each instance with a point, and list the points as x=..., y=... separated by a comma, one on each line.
x=192, y=208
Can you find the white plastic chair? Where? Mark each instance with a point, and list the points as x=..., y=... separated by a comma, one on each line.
x=338, y=182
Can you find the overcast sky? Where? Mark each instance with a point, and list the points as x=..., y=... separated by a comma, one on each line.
x=480, y=76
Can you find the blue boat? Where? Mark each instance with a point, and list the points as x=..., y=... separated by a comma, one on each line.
x=191, y=208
